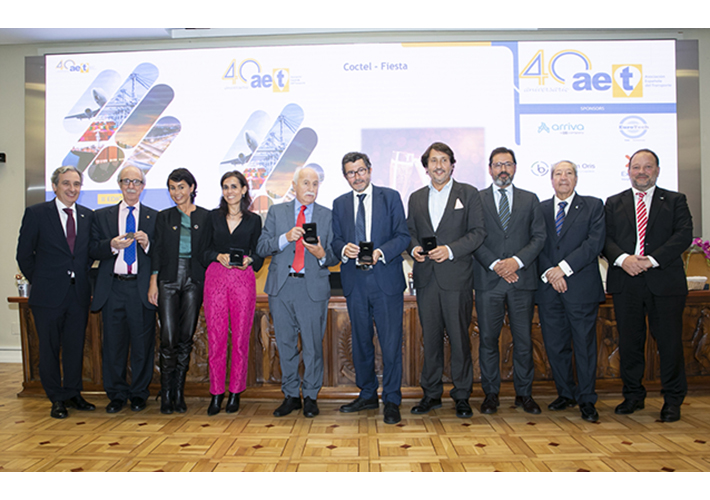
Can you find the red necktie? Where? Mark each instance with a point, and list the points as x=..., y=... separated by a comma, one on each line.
x=71, y=228
x=300, y=249
x=641, y=221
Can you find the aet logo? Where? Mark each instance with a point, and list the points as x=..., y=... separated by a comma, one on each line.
x=627, y=80
x=249, y=72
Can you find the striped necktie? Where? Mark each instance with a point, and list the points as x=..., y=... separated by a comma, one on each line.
x=641, y=221
x=560, y=217
x=504, y=209
x=129, y=253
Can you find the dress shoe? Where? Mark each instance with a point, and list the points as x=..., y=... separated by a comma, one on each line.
x=232, y=403
x=288, y=406
x=589, y=413
x=490, y=404
x=138, y=404
x=561, y=403
x=391, y=413
x=360, y=404
x=115, y=406
x=58, y=410
x=79, y=403
x=528, y=404
x=628, y=406
x=463, y=409
x=215, y=405
x=310, y=407
x=426, y=405
x=670, y=413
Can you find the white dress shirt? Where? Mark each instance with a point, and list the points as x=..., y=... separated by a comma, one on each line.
x=637, y=250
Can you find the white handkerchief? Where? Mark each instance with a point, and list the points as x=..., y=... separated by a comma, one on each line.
x=458, y=205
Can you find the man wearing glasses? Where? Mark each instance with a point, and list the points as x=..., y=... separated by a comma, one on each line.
x=120, y=240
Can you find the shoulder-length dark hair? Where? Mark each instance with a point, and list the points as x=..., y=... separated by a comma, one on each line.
x=246, y=199
x=183, y=174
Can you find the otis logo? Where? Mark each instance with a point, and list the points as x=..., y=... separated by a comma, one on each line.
x=249, y=74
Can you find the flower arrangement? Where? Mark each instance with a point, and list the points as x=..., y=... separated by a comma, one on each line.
x=698, y=245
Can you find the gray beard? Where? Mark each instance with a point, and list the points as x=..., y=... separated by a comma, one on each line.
x=501, y=183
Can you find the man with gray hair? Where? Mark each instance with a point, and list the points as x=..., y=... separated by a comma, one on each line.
x=570, y=289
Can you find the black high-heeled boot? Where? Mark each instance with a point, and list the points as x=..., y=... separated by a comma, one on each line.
x=215, y=405
x=232, y=403
x=167, y=403
x=179, y=402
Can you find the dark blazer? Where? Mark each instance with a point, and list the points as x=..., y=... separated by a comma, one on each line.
x=461, y=229
x=524, y=238
x=388, y=233
x=45, y=259
x=669, y=233
x=279, y=220
x=103, y=230
x=580, y=242
x=165, y=251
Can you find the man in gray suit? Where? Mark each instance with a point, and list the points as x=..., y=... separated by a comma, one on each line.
x=505, y=276
x=299, y=289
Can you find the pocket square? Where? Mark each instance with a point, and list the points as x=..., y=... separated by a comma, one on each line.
x=458, y=205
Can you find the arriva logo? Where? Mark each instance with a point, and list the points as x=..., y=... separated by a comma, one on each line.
x=249, y=73
x=573, y=68
x=561, y=128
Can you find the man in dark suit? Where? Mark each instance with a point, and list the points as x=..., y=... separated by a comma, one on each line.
x=120, y=240
x=299, y=289
x=451, y=213
x=53, y=254
x=570, y=289
x=647, y=230
x=505, y=277
x=374, y=290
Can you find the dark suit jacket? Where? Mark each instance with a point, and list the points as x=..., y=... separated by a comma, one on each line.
x=669, y=233
x=279, y=220
x=524, y=238
x=103, y=230
x=579, y=244
x=165, y=250
x=461, y=229
x=388, y=233
x=45, y=259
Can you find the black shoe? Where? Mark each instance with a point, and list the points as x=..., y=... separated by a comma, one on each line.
x=670, y=413
x=628, y=406
x=59, y=410
x=463, y=409
x=215, y=405
x=310, y=407
x=288, y=406
x=179, y=399
x=79, y=403
x=561, y=403
x=115, y=406
x=392, y=415
x=167, y=405
x=426, y=405
x=138, y=404
x=360, y=404
x=232, y=403
x=589, y=413
x=490, y=404
x=528, y=404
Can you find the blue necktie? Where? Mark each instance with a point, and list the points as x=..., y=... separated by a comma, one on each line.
x=360, y=234
x=129, y=253
x=560, y=217
x=504, y=209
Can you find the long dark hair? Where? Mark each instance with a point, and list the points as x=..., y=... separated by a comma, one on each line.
x=183, y=174
x=246, y=199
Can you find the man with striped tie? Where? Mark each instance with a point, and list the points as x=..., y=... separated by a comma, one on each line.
x=570, y=290
x=647, y=230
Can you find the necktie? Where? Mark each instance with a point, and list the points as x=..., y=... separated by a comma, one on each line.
x=71, y=228
x=504, y=209
x=560, y=217
x=129, y=253
x=641, y=221
x=360, y=233
x=300, y=249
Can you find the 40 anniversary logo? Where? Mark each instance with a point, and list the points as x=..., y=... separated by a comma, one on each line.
x=248, y=73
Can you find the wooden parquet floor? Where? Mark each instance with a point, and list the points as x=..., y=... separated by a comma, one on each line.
x=254, y=440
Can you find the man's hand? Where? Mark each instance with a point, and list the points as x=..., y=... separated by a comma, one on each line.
x=376, y=254
x=142, y=239
x=417, y=254
x=317, y=250
x=153, y=290
x=121, y=241
x=636, y=264
x=439, y=254
x=507, y=269
x=295, y=233
x=351, y=250
x=556, y=278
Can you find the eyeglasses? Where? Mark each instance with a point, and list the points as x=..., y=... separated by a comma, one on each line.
x=360, y=171
x=501, y=164
x=128, y=182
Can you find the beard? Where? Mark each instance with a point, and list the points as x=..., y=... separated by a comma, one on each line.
x=503, y=181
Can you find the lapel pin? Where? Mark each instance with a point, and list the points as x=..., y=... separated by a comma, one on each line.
x=174, y=228
x=196, y=226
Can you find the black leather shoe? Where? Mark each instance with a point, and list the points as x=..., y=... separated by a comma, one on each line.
x=589, y=413
x=79, y=403
x=115, y=406
x=310, y=407
x=360, y=404
x=670, y=413
x=391, y=413
x=528, y=404
x=287, y=406
x=490, y=404
x=561, y=403
x=215, y=405
x=628, y=406
x=463, y=409
x=426, y=405
x=59, y=410
x=232, y=403
x=138, y=404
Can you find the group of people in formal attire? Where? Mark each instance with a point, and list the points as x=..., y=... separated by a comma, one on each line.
x=500, y=242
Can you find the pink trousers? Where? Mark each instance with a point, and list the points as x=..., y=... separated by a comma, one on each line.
x=229, y=293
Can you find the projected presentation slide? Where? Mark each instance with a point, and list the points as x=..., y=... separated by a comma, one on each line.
x=267, y=111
